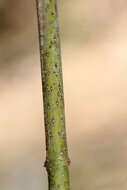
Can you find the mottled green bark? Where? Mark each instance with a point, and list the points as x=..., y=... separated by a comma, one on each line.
x=57, y=160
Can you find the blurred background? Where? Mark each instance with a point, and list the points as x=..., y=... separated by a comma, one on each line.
x=94, y=57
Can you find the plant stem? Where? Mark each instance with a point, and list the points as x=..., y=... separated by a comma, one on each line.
x=57, y=159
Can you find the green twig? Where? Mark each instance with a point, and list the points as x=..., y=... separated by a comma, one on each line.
x=57, y=160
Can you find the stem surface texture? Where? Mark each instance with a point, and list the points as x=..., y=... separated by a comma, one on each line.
x=57, y=159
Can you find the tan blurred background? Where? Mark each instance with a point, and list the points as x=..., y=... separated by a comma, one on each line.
x=94, y=56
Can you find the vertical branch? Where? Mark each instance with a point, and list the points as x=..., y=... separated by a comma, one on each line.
x=57, y=160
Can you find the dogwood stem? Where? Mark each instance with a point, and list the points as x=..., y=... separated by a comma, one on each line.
x=57, y=159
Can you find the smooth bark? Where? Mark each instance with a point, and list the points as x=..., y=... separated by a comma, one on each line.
x=57, y=159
